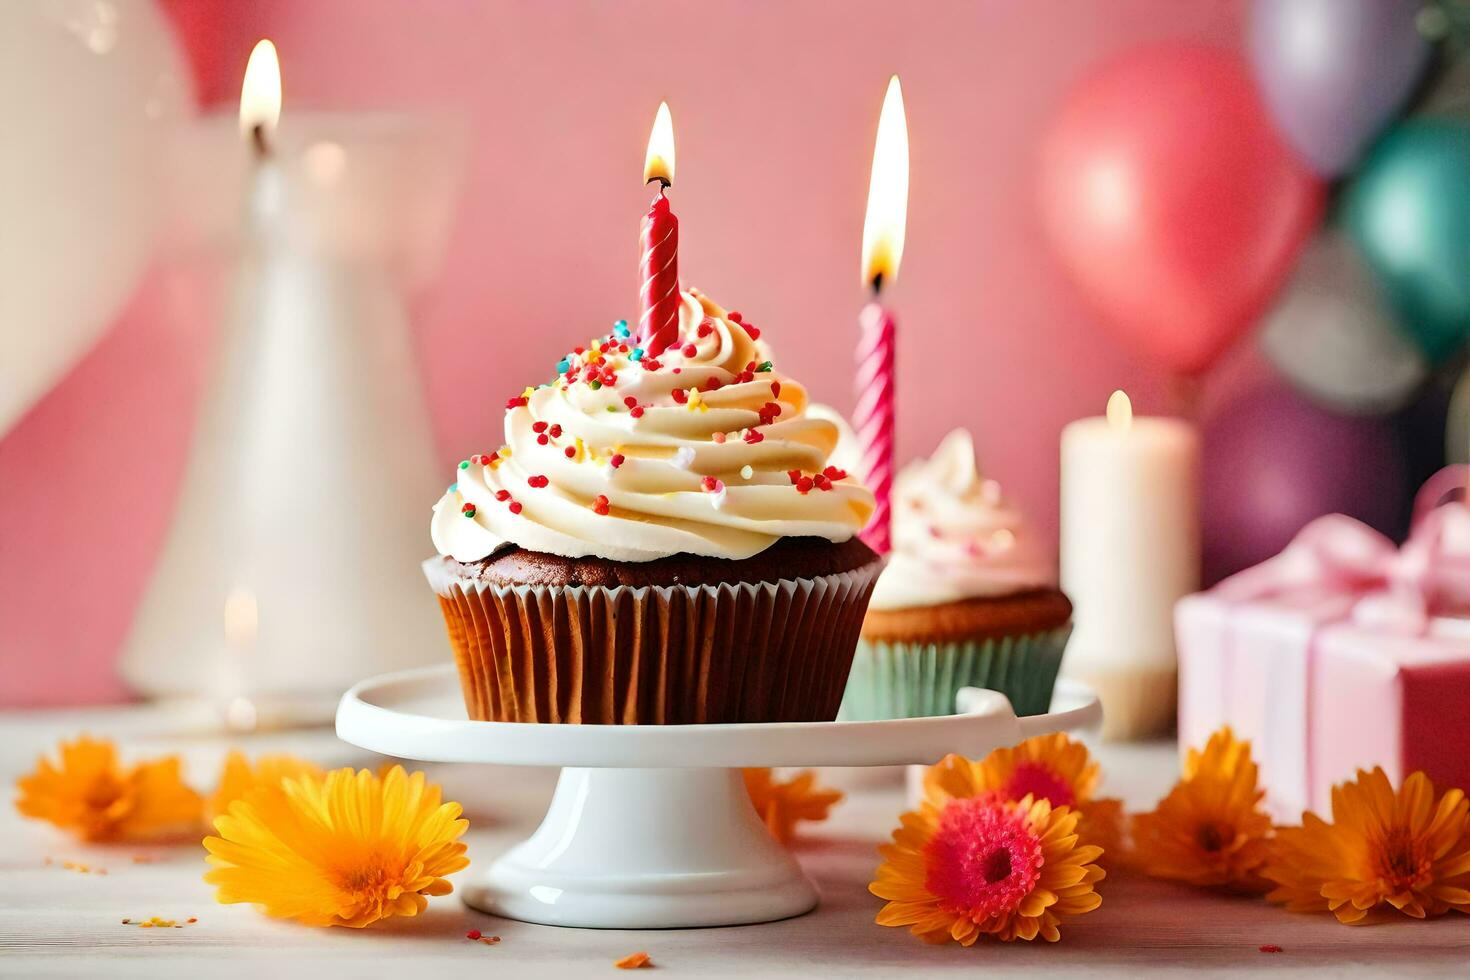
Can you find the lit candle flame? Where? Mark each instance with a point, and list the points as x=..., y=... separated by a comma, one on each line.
x=242, y=619
x=1120, y=411
x=658, y=164
x=260, y=94
x=888, y=192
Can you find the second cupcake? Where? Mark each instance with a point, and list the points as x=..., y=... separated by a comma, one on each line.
x=968, y=599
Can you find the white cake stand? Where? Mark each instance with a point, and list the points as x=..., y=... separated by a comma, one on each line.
x=650, y=826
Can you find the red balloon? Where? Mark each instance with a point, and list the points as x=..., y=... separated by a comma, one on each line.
x=1173, y=202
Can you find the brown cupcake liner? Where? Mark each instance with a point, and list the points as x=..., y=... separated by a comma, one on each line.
x=707, y=654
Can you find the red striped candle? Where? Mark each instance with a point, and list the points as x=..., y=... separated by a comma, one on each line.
x=658, y=245
x=873, y=418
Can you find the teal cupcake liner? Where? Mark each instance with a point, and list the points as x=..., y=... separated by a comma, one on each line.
x=915, y=680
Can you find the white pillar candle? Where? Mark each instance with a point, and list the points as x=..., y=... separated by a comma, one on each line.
x=1129, y=550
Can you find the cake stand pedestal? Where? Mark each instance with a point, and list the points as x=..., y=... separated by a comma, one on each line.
x=650, y=825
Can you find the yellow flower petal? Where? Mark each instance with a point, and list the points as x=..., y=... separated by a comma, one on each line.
x=1211, y=829
x=347, y=849
x=966, y=866
x=782, y=804
x=1404, y=850
x=97, y=799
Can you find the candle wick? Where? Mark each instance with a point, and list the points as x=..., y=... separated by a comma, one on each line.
x=663, y=184
x=877, y=284
x=259, y=141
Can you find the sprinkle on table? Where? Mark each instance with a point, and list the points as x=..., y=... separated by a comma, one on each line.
x=1270, y=948
x=634, y=961
x=156, y=922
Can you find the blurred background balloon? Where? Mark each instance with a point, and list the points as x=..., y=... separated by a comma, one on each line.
x=1408, y=209
x=1273, y=461
x=90, y=90
x=1334, y=339
x=1333, y=72
x=1173, y=201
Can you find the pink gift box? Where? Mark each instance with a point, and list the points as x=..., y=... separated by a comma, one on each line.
x=1336, y=655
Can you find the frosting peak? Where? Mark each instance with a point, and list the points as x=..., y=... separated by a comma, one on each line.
x=705, y=449
x=955, y=535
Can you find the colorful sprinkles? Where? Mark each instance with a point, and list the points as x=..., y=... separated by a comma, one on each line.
x=603, y=361
x=156, y=922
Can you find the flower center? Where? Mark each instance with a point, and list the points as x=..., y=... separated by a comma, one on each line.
x=103, y=792
x=372, y=881
x=997, y=866
x=1041, y=782
x=983, y=859
x=1401, y=859
x=1213, y=837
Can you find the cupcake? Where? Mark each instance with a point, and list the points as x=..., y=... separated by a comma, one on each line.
x=968, y=599
x=660, y=540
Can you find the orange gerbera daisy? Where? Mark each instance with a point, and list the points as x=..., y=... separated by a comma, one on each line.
x=239, y=777
x=344, y=850
x=985, y=866
x=782, y=804
x=92, y=796
x=1405, y=850
x=1047, y=767
x=1210, y=830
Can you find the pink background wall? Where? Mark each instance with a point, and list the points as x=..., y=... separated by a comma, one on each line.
x=775, y=105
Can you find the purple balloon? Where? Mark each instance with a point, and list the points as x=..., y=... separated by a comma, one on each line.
x=1273, y=461
x=1334, y=71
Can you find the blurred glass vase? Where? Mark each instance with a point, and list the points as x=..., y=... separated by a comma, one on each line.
x=291, y=569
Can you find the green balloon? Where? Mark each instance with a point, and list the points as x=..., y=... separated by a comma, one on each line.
x=1409, y=212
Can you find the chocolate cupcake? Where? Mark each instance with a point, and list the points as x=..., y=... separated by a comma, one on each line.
x=660, y=540
x=967, y=600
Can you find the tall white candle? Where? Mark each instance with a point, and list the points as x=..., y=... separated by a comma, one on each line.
x=1129, y=550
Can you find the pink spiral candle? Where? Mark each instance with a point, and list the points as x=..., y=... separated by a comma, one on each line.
x=658, y=246
x=874, y=414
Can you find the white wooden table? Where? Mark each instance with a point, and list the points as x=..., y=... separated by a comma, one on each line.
x=59, y=922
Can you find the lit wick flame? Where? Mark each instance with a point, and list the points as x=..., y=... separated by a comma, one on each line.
x=888, y=193
x=1120, y=411
x=242, y=619
x=658, y=163
x=260, y=96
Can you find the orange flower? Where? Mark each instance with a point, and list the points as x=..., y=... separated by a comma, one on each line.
x=780, y=805
x=1047, y=767
x=1404, y=850
x=984, y=866
x=239, y=777
x=98, y=800
x=345, y=850
x=1210, y=830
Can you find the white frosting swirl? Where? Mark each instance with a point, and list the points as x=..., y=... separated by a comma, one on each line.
x=705, y=450
x=955, y=536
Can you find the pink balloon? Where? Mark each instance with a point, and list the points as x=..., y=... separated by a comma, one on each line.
x=1173, y=202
